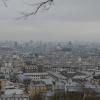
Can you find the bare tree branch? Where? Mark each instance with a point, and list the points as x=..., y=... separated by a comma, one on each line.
x=46, y=4
x=38, y=6
x=4, y=2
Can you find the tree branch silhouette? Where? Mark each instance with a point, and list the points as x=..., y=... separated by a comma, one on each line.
x=46, y=4
x=38, y=6
x=4, y=2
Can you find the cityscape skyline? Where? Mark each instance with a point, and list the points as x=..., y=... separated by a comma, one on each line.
x=49, y=53
x=67, y=20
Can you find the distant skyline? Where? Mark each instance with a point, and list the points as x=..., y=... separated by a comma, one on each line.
x=65, y=20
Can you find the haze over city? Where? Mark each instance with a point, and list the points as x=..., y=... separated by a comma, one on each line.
x=67, y=20
x=49, y=50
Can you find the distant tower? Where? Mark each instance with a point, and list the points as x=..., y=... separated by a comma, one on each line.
x=15, y=44
x=69, y=45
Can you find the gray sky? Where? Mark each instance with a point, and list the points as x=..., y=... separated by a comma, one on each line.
x=66, y=20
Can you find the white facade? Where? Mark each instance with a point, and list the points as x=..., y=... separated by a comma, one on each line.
x=34, y=76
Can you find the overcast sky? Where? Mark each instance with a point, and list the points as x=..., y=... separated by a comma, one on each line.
x=65, y=20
